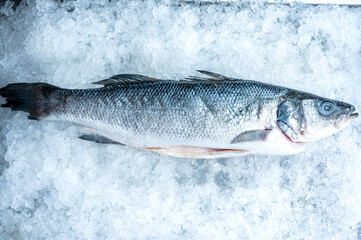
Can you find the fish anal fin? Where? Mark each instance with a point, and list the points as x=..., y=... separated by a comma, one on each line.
x=198, y=152
x=98, y=139
x=249, y=136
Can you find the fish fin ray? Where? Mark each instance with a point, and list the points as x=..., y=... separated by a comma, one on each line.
x=198, y=152
x=28, y=97
x=135, y=78
x=254, y=135
x=98, y=139
x=212, y=77
x=126, y=78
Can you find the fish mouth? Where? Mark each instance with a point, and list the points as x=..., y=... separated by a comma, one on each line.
x=346, y=119
x=351, y=117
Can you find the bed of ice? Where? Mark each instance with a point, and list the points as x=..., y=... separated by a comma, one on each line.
x=56, y=186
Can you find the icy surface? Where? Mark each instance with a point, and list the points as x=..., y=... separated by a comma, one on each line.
x=56, y=186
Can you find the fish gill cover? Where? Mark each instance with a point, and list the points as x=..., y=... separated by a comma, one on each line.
x=54, y=185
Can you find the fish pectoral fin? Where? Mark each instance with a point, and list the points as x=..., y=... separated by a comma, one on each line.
x=126, y=78
x=98, y=139
x=254, y=135
x=198, y=152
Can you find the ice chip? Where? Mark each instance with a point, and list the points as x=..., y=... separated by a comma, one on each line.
x=55, y=186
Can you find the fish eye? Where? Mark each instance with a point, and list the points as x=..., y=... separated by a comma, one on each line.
x=327, y=108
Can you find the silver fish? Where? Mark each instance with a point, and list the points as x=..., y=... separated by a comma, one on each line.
x=198, y=117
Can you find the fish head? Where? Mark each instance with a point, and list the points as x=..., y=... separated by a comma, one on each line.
x=308, y=118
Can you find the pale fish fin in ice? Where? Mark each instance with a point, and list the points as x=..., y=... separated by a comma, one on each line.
x=198, y=152
x=98, y=139
x=254, y=135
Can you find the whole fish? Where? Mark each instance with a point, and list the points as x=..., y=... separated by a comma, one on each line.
x=214, y=116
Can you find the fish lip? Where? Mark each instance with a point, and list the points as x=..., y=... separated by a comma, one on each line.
x=352, y=117
x=347, y=119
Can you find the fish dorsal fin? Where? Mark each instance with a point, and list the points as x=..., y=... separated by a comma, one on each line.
x=126, y=78
x=135, y=78
x=211, y=77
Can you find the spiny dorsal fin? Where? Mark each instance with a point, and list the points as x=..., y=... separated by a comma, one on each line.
x=126, y=78
x=133, y=78
x=213, y=77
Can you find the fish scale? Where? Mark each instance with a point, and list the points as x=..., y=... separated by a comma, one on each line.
x=183, y=111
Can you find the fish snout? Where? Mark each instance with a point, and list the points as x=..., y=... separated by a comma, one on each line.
x=348, y=115
x=350, y=109
x=350, y=112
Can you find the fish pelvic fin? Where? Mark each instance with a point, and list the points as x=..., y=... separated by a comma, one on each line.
x=28, y=97
x=98, y=139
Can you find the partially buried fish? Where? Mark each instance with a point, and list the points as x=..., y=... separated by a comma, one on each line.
x=197, y=117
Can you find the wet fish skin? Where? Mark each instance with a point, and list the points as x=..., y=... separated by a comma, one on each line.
x=200, y=113
x=174, y=112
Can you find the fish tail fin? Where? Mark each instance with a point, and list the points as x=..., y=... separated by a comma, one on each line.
x=28, y=97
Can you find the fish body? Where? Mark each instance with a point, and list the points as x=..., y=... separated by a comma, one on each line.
x=197, y=117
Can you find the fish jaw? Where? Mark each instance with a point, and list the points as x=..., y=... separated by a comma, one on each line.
x=311, y=135
x=346, y=120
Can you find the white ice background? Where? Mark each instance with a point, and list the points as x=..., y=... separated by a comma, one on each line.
x=56, y=186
